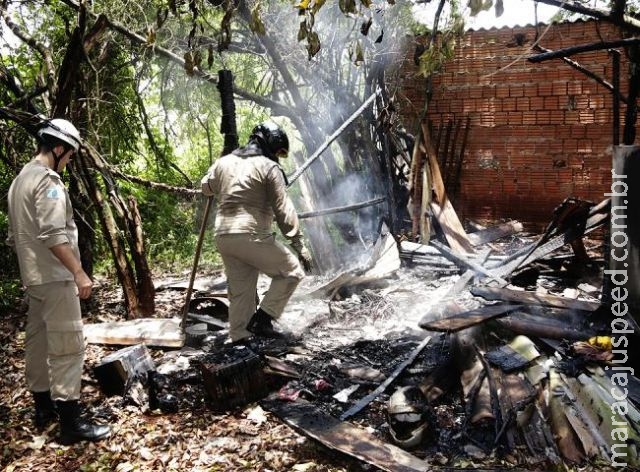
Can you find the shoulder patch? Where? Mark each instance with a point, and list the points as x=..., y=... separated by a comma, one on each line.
x=54, y=193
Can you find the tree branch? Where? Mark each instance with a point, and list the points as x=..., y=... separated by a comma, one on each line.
x=44, y=52
x=562, y=53
x=142, y=41
x=617, y=18
x=548, y=53
x=182, y=191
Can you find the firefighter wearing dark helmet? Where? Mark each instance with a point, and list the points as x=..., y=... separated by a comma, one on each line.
x=45, y=238
x=250, y=188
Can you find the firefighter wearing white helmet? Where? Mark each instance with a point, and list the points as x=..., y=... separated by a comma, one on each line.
x=45, y=238
x=250, y=188
x=59, y=132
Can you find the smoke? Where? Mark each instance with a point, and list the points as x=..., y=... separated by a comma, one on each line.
x=328, y=87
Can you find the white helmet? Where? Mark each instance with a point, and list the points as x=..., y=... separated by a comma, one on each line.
x=62, y=130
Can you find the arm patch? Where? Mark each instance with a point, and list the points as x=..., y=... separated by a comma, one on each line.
x=54, y=193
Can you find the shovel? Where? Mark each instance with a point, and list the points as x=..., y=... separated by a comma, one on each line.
x=196, y=258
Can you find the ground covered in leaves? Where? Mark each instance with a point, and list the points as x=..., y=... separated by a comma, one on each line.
x=195, y=439
x=342, y=348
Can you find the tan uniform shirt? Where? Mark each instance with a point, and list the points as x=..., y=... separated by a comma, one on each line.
x=40, y=217
x=251, y=192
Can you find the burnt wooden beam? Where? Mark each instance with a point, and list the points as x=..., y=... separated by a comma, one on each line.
x=293, y=177
x=328, y=211
x=383, y=386
x=626, y=22
x=504, y=294
x=468, y=263
x=577, y=66
x=467, y=319
x=530, y=325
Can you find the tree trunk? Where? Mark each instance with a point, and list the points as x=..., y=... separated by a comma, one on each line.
x=111, y=232
x=145, y=289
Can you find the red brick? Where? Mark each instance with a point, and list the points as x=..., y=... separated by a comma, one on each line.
x=573, y=120
x=559, y=88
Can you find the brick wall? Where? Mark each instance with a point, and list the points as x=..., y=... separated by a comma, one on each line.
x=539, y=132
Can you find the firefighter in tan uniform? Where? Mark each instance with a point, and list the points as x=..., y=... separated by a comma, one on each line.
x=44, y=236
x=250, y=189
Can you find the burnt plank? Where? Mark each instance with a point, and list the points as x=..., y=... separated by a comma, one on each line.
x=446, y=215
x=344, y=437
x=468, y=318
x=466, y=262
x=383, y=386
x=539, y=250
x=530, y=325
x=508, y=295
x=448, y=220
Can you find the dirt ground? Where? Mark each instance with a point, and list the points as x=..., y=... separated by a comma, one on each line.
x=196, y=439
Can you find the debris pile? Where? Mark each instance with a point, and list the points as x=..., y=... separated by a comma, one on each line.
x=426, y=356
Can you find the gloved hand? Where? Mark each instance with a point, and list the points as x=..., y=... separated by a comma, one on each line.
x=304, y=256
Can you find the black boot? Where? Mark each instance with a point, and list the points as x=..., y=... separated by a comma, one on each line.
x=260, y=324
x=46, y=412
x=74, y=429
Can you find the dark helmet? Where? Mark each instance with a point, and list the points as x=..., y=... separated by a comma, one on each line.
x=272, y=140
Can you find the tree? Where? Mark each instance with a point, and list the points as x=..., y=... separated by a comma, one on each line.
x=111, y=68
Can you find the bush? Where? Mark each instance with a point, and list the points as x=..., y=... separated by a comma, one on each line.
x=10, y=284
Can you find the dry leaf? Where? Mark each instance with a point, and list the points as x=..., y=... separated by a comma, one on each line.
x=124, y=467
x=37, y=443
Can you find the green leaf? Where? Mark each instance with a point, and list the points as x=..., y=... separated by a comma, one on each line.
x=256, y=24
x=347, y=6
x=302, y=31
x=313, y=44
x=317, y=5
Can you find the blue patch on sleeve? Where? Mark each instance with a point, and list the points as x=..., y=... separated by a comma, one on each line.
x=54, y=193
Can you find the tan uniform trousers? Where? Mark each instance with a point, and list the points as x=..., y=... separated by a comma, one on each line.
x=54, y=343
x=244, y=257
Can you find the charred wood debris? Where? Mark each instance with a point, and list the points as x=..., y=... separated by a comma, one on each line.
x=510, y=365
